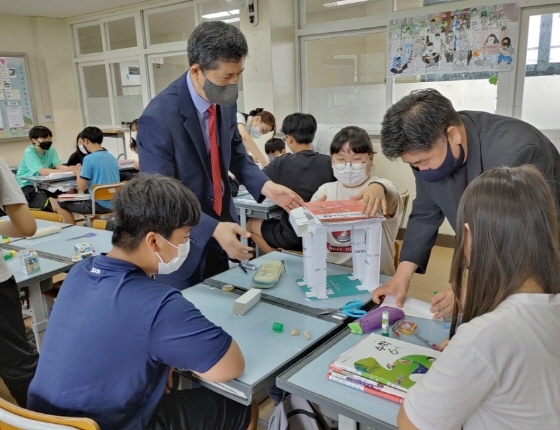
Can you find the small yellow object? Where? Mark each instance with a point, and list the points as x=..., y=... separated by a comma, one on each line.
x=227, y=288
x=295, y=332
x=307, y=335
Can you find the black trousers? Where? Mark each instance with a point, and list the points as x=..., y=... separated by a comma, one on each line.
x=199, y=409
x=17, y=360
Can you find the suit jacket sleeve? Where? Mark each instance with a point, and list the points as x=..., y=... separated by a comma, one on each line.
x=422, y=228
x=243, y=167
x=156, y=154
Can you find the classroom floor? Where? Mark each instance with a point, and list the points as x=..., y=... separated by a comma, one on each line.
x=422, y=288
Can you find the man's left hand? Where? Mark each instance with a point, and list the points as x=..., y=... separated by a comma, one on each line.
x=373, y=199
x=282, y=196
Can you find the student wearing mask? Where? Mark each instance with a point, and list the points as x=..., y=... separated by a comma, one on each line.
x=352, y=161
x=78, y=155
x=500, y=368
x=447, y=150
x=274, y=147
x=100, y=168
x=303, y=171
x=253, y=125
x=17, y=360
x=40, y=158
x=113, y=362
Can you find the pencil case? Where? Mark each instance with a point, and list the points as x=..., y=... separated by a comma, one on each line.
x=268, y=274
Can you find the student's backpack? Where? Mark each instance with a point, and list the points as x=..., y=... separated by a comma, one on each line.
x=295, y=413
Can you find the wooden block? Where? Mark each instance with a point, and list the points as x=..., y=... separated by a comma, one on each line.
x=246, y=301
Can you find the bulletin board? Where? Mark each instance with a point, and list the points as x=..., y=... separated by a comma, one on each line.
x=16, y=107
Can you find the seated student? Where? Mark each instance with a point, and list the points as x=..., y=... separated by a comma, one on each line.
x=352, y=160
x=100, y=168
x=274, y=147
x=129, y=174
x=252, y=126
x=78, y=155
x=40, y=158
x=500, y=369
x=303, y=171
x=115, y=332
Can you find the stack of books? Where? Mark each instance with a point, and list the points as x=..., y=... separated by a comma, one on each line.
x=382, y=366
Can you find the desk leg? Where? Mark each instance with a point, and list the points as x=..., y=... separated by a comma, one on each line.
x=345, y=423
x=38, y=309
x=243, y=223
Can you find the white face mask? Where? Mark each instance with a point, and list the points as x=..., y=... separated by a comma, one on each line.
x=255, y=132
x=133, y=134
x=174, y=265
x=82, y=149
x=350, y=177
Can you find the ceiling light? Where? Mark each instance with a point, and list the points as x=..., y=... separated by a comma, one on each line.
x=221, y=14
x=229, y=21
x=342, y=3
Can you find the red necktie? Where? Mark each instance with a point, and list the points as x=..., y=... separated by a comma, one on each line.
x=215, y=160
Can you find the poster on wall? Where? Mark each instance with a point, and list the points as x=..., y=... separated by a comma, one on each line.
x=16, y=110
x=476, y=39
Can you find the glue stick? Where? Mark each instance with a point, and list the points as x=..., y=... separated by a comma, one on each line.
x=385, y=324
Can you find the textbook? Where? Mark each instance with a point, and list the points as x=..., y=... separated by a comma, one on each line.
x=357, y=379
x=388, y=361
x=73, y=197
x=336, y=210
x=60, y=175
x=344, y=380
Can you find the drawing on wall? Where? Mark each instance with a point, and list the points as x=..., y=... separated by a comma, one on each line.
x=474, y=39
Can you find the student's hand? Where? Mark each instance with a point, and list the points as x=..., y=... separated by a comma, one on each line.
x=282, y=196
x=169, y=385
x=443, y=345
x=396, y=286
x=226, y=234
x=442, y=304
x=373, y=199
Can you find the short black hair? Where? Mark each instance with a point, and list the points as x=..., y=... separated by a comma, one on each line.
x=274, y=144
x=39, y=131
x=152, y=203
x=215, y=41
x=416, y=122
x=357, y=138
x=301, y=126
x=93, y=134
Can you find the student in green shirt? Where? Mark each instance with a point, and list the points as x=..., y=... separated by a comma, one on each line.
x=40, y=158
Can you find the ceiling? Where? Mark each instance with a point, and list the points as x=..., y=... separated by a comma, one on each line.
x=60, y=8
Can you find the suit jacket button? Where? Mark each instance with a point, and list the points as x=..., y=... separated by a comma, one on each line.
x=210, y=199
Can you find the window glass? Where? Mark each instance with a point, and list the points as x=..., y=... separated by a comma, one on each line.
x=318, y=11
x=89, y=39
x=215, y=11
x=174, y=25
x=96, y=97
x=122, y=33
x=127, y=90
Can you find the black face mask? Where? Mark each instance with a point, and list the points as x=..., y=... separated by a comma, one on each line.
x=45, y=145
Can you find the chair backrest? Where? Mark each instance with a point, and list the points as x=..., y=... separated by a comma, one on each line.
x=405, y=195
x=47, y=216
x=13, y=417
x=105, y=192
x=99, y=224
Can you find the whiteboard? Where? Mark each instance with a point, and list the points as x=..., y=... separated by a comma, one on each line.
x=16, y=108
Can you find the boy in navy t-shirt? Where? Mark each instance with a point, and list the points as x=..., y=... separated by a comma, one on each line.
x=99, y=168
x=115, y=332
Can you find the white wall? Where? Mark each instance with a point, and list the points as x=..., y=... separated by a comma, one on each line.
x=46, y=41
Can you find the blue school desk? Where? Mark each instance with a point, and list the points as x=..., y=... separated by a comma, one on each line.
x=307, y=379
x=247, y=207
x=267, y=353
x=60, y=246
x=40, y=224
x=287, y=292
x=36, y=283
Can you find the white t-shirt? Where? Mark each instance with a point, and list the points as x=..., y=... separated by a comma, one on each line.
x=324, y=137
x=500, y=371
x=339, y=249
x=10, y=194
x=246, y=122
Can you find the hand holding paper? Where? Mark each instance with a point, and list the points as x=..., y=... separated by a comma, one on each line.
x=411, y=307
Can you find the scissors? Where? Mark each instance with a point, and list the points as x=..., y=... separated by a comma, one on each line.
x=350, y=309
x=83, y=235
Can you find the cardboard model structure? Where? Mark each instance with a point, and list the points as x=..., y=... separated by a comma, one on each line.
x=366, y=249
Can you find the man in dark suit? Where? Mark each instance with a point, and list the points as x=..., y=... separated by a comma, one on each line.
x=447, y=150
x=189, y=131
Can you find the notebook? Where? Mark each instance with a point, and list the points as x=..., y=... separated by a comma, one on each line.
x=59, y=175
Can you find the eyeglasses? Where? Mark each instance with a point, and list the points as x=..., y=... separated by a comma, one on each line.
x=340, y=165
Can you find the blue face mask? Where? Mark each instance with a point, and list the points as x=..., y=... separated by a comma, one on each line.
x=448, y=167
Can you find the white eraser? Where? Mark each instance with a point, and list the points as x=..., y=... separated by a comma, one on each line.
x=246, y=301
